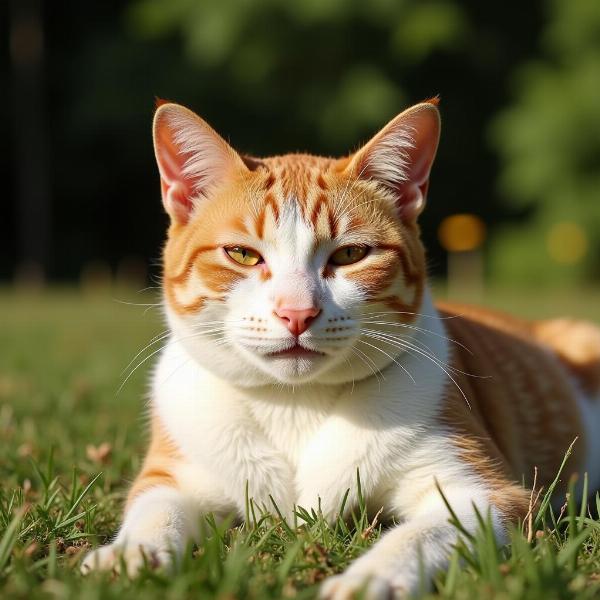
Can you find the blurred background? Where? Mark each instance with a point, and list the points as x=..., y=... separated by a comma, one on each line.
x=515, y=193
x=513, y=218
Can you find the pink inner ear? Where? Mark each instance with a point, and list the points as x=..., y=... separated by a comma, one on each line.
x=411, y=199
x=422, y=153
x=176, y=196
x=175, y=187
x=412, y=192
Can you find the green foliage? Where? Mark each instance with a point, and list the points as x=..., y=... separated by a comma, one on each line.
x=549, y=140
x=256, y=45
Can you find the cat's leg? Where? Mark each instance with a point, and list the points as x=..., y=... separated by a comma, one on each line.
x=171, y=493
x=163, y=510
x=409, y=555
x=156, y=529
x=163, y=513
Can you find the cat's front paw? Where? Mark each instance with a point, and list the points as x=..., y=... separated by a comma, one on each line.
x=348, y=586
x=133, y=556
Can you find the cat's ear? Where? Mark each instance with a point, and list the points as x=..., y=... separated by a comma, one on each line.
x=400, y=157
x=192, y=159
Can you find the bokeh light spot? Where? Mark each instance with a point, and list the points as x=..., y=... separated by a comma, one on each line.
x=461, y=232
x=567, y=242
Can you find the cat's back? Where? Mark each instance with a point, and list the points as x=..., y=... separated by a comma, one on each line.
x=574, y=343
x=526, y=384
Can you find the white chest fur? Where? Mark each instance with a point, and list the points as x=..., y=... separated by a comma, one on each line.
x=304, y=445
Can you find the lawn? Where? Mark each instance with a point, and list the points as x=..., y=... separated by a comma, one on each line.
x=72, y=436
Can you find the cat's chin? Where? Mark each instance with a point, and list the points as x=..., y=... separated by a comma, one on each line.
x=292, y=367
x=295, y=368
x=306, y=368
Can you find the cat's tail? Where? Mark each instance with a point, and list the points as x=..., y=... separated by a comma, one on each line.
x=577, y=344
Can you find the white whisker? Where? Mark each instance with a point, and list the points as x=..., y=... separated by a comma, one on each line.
x=405, y=312
x=420, y=329
x=409, y=343
x=370, y=363
x=155, y=340
x=170, y=342
x=390, y=357
x=436, y=361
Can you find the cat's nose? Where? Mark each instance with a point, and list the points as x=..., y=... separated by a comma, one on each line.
x=297, y=320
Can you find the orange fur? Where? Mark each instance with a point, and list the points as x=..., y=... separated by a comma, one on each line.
x=577, y=344
x=157, y=469
x=522, y=413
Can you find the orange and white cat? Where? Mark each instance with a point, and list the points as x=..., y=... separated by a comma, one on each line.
x=305, y=345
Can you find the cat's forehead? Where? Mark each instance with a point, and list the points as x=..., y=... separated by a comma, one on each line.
x=300, y=192
x=299, y=162
x=296, y=175
x=282, y=195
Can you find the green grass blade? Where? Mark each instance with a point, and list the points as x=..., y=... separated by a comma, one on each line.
x=549, y=493
x=81, y=496
x=10, y=537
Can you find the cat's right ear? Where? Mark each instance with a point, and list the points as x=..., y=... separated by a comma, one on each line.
x=192, y=159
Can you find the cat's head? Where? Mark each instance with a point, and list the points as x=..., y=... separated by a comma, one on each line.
x=293, y=268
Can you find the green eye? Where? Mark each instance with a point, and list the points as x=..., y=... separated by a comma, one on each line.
x=244, y=256
x=348, y=255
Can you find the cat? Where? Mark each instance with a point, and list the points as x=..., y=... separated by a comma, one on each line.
x=305, y=345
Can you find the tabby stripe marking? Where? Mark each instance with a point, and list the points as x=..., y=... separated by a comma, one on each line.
x=411, y=275
x=182, y=276
x=181, y=307
x=260, y=221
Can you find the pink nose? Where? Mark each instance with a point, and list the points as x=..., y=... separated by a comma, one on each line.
x=297, y=321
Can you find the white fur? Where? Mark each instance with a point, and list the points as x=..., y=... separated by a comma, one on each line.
x=157, y=527
x=389, y=160
x=305, y=444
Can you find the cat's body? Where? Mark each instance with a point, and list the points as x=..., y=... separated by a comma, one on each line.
x=285, y=375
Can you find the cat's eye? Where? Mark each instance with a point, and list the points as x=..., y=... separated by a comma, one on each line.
x=244, y=256
x=348, y=255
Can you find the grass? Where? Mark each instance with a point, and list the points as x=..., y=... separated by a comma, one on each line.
x=69, y=443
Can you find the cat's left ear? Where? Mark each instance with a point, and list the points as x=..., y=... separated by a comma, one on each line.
x=400, y=157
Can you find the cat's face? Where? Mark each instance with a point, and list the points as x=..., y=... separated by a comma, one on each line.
x=296, y=268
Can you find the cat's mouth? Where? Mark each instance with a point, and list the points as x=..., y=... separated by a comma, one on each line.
x=296, y=351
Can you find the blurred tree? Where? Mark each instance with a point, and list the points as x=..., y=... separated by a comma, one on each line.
x=323, y=68
x=549, y=141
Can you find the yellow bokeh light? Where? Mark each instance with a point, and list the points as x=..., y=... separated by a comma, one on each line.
x=461, y=233
x=567, y=243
